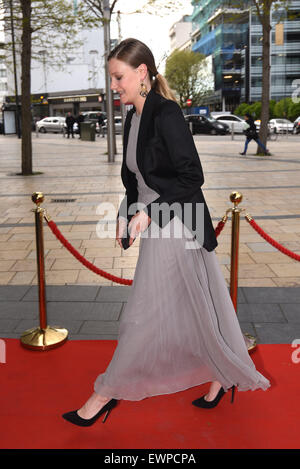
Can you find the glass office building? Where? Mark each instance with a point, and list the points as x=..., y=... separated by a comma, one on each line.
x=285, y=58
x=221, y=32
x=233, y=38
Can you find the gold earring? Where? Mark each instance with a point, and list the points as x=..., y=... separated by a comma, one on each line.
x=143, y=91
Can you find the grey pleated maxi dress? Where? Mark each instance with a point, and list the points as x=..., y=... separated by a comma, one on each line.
x=179, y=328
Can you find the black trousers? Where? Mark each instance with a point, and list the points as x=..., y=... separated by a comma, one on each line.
x=70, y=130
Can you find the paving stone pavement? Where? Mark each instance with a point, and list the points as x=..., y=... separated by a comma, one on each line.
x=90, y=306
x=93, y=312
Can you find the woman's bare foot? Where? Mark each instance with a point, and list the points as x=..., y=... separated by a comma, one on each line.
x=92, y=406
x=213, y=391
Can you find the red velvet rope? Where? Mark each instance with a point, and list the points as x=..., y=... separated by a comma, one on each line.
x=272, y=241
x=219, y=227
x=81, y=259
x=91, y=266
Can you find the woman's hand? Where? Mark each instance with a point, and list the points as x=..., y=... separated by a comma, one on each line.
x=120, y=230
x=139, y=223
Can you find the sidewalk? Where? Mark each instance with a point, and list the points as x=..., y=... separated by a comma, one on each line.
x=79, y=171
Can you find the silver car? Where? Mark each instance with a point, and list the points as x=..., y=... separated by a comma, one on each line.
x=235, y=123
x=118, y=125
x=281, y=126
x=51, y=124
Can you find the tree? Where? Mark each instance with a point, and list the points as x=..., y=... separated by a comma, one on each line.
x=185, y=72
x=39, y=24
x=263, y=10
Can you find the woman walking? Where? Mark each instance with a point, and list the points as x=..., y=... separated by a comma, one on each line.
x=251, y=134
x=179, y=328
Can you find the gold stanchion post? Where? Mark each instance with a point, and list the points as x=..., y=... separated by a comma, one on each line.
x=236, y=198
x=43, y=337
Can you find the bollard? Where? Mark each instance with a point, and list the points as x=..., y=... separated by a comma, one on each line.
x=43, y=337
x=232, y=131
x=236, y=198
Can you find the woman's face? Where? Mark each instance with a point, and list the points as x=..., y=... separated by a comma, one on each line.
x=126, y=80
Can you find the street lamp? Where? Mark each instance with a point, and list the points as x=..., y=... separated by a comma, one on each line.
x=15, y=70
x=43, y=53
x=109, y=98
x=94, y=54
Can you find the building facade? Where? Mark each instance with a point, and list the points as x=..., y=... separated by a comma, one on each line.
x=221, y=32
x=180, y=34
x=284, y=54
x=73, y=82
x=232, y=37
x=3, y=70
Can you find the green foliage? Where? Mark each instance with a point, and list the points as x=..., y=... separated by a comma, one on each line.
x=272, y=104
x=54, y=27
x=242, y=109
x=187, y=75
x=287, y=108
x=294, y=111
x=281, y=107
x=284, y=108
x=255, y=109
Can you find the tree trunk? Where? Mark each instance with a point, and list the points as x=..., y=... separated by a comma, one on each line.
x=26, y=88
x=266, y=67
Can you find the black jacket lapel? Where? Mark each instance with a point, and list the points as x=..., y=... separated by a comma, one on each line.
x=152, y=101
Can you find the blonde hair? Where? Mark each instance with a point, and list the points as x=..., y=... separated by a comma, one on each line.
x=134, y=53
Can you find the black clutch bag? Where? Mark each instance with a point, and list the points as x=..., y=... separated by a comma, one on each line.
x=125, y=240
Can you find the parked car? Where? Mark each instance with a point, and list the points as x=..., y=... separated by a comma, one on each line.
x=234, y=122
x=51, y=124
x=93, y=115
x=206, y=125
x=281, y=125
x=118, y=125
x=296, y=127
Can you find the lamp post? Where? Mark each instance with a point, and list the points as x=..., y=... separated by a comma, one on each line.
x=43, y=53
x=94, y=54
x=15, y=70
x=109, y=98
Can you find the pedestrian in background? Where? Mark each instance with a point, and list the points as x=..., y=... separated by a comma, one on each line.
x=251, y=134
x=70, y=120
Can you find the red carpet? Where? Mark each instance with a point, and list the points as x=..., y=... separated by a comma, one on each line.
x=37, y=387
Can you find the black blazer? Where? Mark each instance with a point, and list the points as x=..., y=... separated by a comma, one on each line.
x=169, y=163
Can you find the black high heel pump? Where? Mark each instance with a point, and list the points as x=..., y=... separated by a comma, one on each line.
x=204, y=404
x=74, y=418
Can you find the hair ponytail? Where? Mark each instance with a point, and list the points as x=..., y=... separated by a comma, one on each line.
x=134, y=52
x=160, y=85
